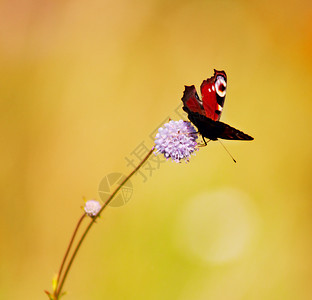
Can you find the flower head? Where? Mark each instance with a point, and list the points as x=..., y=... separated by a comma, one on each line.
x=176, y=139
x=92, y=207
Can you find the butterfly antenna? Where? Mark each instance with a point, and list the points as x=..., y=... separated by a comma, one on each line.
x=227, y=151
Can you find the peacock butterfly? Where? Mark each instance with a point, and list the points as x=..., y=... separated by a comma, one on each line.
x=205, y=113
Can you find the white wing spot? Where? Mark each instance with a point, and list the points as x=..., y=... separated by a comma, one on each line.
x=220, y=86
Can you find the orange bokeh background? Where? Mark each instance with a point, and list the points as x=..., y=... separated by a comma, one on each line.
x=84, y=83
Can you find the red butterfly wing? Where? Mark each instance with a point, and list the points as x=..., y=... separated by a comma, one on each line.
x=213, y=92
x=191, y=100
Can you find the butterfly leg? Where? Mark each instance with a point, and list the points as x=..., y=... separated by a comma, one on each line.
x=203, y=145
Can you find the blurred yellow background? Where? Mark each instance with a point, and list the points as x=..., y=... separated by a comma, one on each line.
x=84, y=83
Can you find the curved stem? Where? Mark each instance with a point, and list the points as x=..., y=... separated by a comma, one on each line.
x=69, y=246
x=59, y=290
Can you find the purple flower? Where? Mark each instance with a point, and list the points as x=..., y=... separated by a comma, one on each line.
x=92, y=207
x=176, y=140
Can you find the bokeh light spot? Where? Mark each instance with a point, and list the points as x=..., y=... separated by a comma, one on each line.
x=216, y=227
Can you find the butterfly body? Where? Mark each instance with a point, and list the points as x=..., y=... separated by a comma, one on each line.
x=205, y=113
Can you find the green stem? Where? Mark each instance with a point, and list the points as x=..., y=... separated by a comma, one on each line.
x=61, y=284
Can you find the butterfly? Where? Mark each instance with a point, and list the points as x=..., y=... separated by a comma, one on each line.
x=205, y=113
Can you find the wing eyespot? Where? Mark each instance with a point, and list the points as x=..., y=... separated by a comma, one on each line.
x=220, y=85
